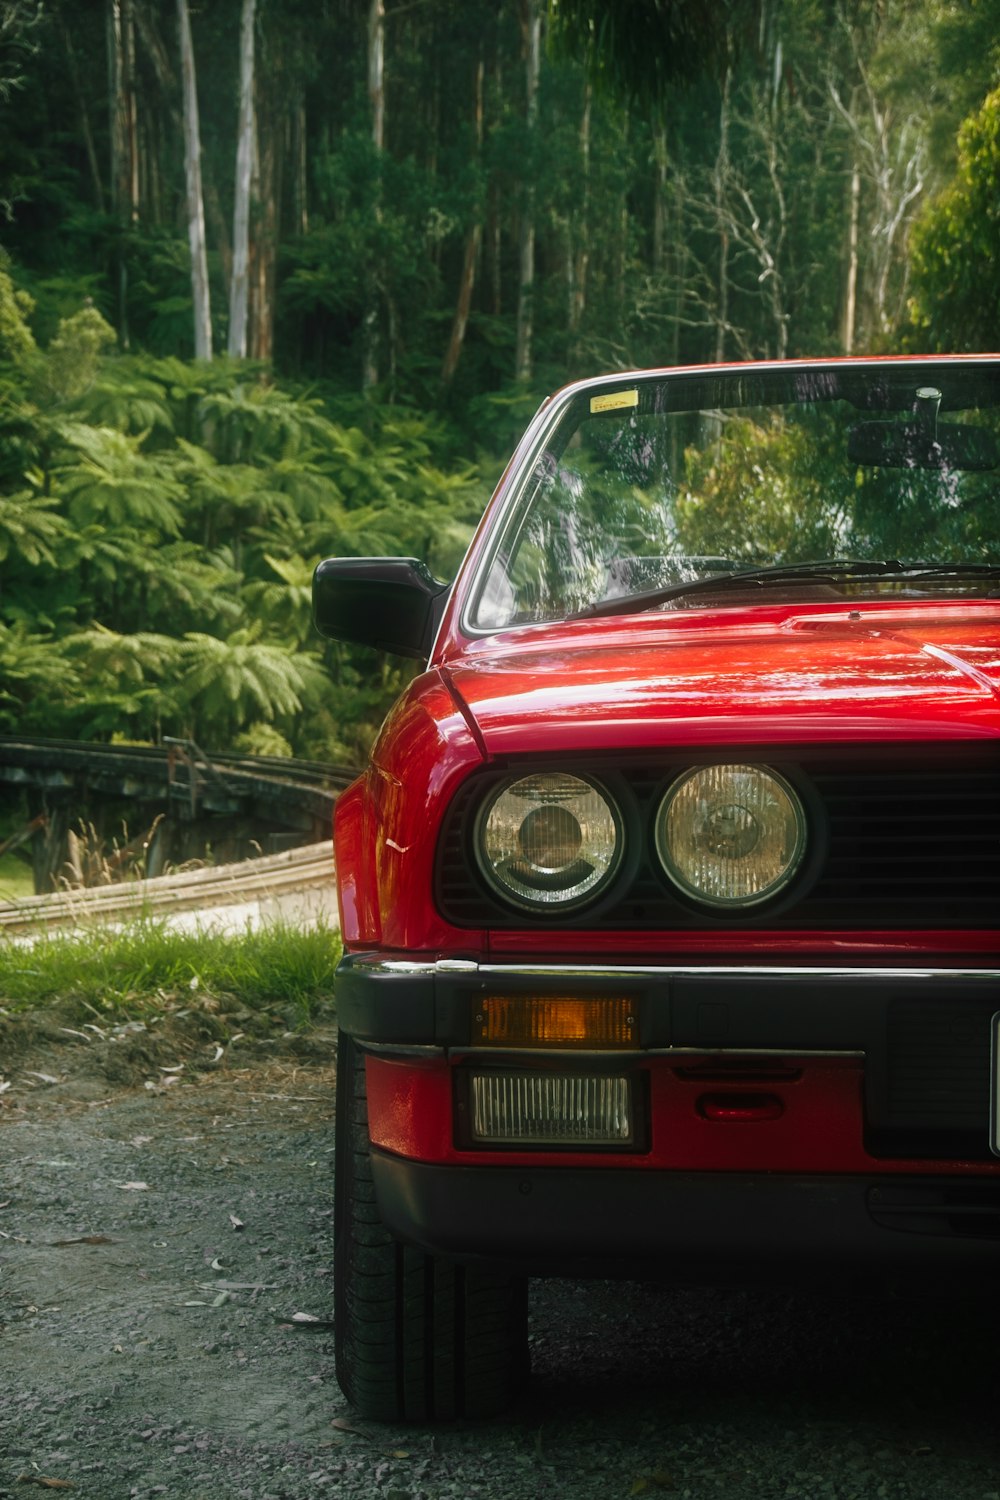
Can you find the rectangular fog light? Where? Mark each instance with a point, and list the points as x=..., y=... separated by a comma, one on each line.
x=551, y=1109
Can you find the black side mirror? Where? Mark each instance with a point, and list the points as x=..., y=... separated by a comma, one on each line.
x=392, y=603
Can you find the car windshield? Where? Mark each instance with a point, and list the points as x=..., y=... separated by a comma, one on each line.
x=881, y=478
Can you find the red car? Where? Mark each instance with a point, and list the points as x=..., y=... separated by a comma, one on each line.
x=670, y=894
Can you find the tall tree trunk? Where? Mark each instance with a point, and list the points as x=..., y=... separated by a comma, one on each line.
x=129, y=114
x=146, y=16
x=620, y=247
x=678, y=269
x=771, y=255
x=679, y=266
x=851, y=291
x=195, y=205
x=124, y=145
x=376, y=71
x=890, y=158
x=494, y=231
x=531, y=32
x=149, y=176
x=266, y=196
x=578, y=251
x=473, y=239
x=132, y=111
x=659, y=195
x=376, y=95
x=720, y=176
x=300, y=181
x=86, y=129
x=246, y=150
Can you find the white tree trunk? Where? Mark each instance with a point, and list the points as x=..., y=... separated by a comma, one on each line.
x=890, y=163
x=376, y=70
x=851, y=294
x=245, y=152
x=195, y=204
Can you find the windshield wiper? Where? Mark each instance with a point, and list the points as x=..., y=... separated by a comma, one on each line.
x=830, y=570
x=921, y=570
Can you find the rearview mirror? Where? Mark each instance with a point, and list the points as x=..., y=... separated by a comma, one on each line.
x=392, y=603
x=915, y=445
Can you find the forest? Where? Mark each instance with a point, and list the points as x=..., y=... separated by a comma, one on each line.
x=281, y=279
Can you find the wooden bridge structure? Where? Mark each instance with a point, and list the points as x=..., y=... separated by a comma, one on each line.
x=82, y=810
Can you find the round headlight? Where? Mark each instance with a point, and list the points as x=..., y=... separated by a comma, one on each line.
x=549, y=840
x=731, y=835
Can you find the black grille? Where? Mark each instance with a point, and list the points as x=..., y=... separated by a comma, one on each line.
x=900, y=836
x=927, y=1078
x=939, y=1063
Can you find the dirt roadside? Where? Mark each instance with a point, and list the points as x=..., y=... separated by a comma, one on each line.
x=165, y=1257
x=165, y=1252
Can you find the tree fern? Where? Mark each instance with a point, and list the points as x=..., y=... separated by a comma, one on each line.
x=104, y=476
x=31, y=529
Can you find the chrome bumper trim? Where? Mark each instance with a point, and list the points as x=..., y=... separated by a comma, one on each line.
x=375, y=964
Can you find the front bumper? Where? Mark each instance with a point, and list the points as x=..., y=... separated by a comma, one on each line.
x=923, y=1035
x=877, y=1154
x=693, y=1227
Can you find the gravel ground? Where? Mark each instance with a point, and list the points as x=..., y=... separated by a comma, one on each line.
x=165, y=1295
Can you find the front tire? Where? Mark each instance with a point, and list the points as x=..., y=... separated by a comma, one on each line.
x=418, y=1337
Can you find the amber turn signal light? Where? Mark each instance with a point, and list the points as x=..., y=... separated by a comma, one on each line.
x=532, y=1021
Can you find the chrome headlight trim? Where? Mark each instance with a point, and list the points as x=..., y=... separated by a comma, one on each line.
x=549, y=840
x=735, y=825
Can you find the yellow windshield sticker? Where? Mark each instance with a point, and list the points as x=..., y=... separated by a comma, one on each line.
x=615, y=401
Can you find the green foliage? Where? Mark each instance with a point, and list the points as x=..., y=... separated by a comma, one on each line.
x=159, y=527
x=263, y=739
x=767, y=492
x=37, y=681
x=105, y=477
x=74, y=353
x=160, y=519
x=242, y=679
x=698, y=200
x=16, y=878
x=956, y=302
x=17, y=342
x=786, y=492
x=31, y=529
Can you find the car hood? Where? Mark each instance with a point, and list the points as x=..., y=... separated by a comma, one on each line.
x=770, y=676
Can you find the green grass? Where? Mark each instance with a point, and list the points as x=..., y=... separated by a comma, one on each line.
x=16, y=880
x=283, y=973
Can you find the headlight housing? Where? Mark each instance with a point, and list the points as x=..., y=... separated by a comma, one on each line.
x=731, y=836
x=549, y=840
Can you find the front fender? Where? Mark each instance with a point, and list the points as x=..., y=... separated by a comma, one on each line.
x=387, y=825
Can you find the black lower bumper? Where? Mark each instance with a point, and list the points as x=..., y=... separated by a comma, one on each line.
x=695, y=1227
